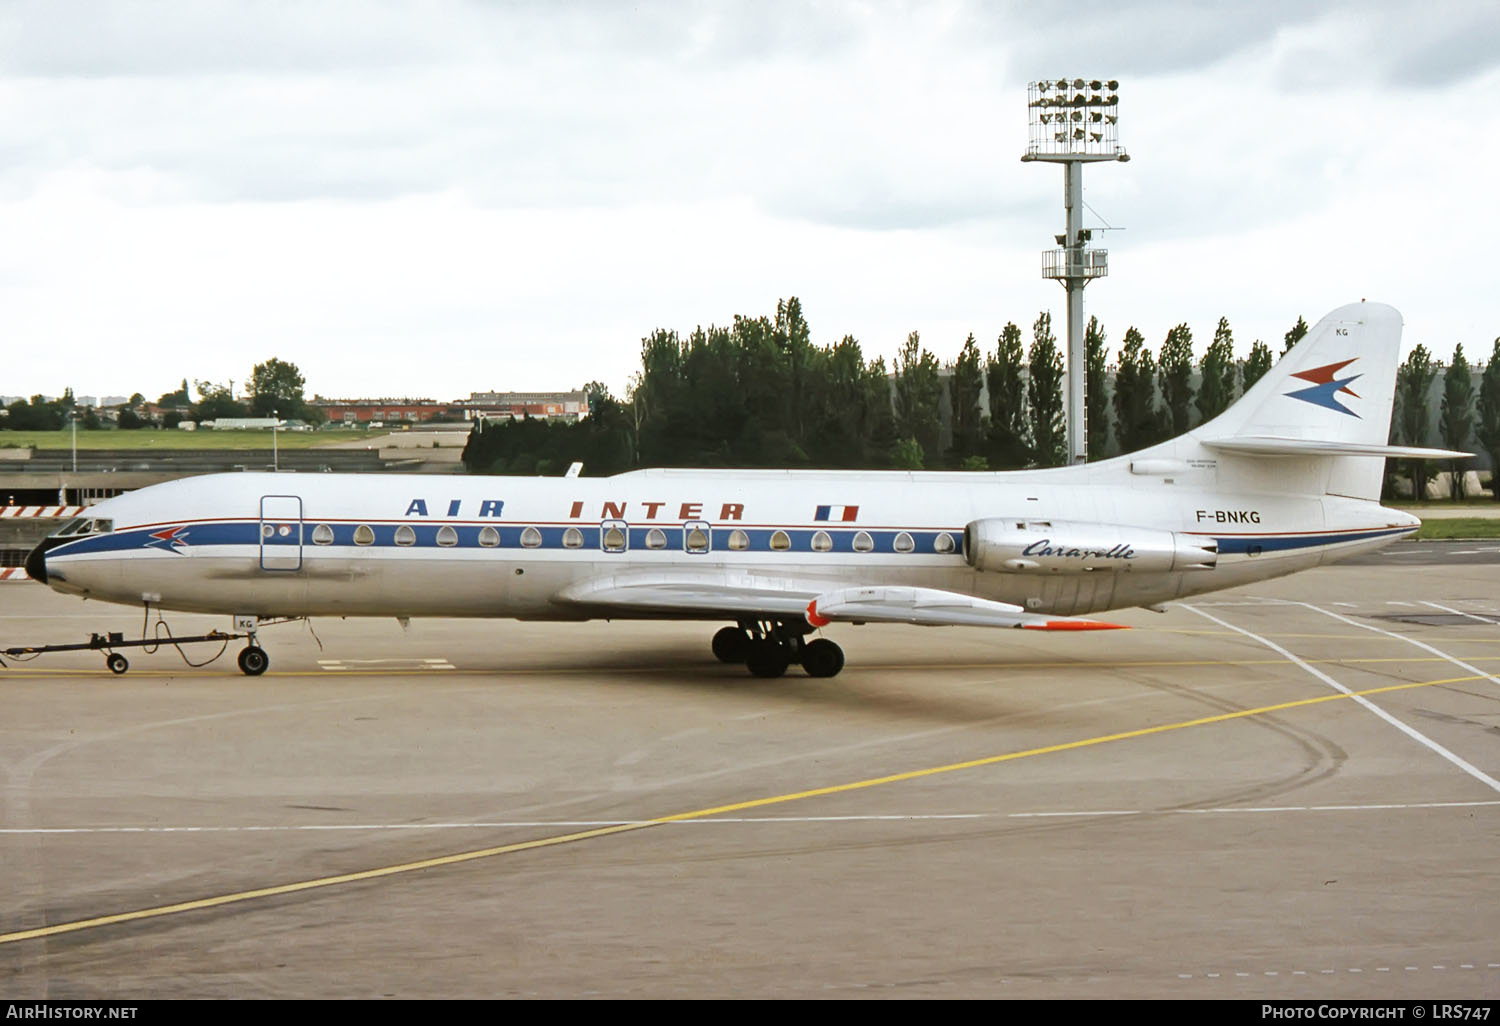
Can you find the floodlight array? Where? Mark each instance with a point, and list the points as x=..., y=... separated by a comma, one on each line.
x=1073, y=119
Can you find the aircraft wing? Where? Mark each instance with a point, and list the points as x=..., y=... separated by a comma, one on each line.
x=757, y=596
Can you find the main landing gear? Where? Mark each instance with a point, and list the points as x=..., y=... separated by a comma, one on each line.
x=768, y=647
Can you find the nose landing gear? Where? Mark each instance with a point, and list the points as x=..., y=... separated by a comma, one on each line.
x=253, y=660
x=769, y=647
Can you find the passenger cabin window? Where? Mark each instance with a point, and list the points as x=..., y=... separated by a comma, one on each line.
x=405, y=535
x=322, y=535
x=822, y=542
x=863, y=542
x=943, y=543
x=531, y=538
x=489, y=537
x=446, y=536
x=904, y=542
x=613, y=538
x=572, y=538
x=656, y=538
x=739, y=541
x=695, y=538
x=364, y=534
x=780, y=541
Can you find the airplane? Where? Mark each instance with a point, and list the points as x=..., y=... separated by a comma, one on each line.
x=1288, y=478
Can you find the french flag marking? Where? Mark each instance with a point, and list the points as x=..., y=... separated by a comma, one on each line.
x=842, y=514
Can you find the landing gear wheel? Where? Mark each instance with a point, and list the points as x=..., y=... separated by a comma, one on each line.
x=253, y=661
x=822, y=658
x=117, y=663
x=766, y=658
x=731, y=645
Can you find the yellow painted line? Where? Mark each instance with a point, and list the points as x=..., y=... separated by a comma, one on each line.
x=546, y=842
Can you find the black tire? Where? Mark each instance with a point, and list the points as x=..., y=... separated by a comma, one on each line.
x=766, y=658
x=253, y=661
x=822, y=658
x=117, y=663
x=731, y=645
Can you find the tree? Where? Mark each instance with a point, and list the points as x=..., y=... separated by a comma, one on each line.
x=177, y=399
x=1175, y=372
x=964, y=386
x=1097, y=399
x=216, y=401
x=1216, y=374
x=276, y=390
x=1255, y=366
x=1456, y=419
x=1487, y=431
x=1010, y=427
x=1294, y=336
x=1045, y=397
x=1413, y=382
x=1136, y=422
x=918, y=394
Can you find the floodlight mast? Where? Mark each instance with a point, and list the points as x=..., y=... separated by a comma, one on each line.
x=1074, y=122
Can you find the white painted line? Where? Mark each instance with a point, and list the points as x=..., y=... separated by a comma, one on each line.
x=583, y=824
x=1410, y=732
x=1460, y=612
x=1409, y=640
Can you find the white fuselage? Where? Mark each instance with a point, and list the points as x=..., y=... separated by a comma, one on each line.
x=398, y=545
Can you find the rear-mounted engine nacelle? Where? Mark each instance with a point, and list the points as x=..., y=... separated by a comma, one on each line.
x=1075, y=547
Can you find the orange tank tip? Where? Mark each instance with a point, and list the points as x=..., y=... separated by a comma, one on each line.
x=813, y=617
x=1077, y=625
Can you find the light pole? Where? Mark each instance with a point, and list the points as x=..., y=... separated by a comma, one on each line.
x=1073, y=123
x=275, y=453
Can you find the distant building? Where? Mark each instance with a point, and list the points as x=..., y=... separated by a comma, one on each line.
x=387, y=411
x=242, y=424
x=569, y=406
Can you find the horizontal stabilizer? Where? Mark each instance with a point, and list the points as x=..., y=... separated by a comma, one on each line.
x=931, y=607
x=1268, y=446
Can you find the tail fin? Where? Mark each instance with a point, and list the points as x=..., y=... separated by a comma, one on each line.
x=1329, y=401
x=1336, y=385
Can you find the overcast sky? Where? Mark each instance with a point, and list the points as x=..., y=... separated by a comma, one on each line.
x=433, y=198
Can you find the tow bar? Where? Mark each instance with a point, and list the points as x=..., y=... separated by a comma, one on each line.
x=107, y=643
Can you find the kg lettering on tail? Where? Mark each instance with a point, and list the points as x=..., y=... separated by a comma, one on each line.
x=1286, y=479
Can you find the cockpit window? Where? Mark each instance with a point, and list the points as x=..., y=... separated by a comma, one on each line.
x=80, y=526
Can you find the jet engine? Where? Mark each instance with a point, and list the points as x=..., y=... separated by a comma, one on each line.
x=1074, y=547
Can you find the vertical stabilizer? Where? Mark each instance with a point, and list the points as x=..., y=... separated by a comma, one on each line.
x=1335, y=389
x=1336, y=385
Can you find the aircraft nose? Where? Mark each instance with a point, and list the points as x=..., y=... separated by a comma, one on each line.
x=36, y=564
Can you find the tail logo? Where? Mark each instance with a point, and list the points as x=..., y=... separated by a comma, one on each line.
x=1326, y=383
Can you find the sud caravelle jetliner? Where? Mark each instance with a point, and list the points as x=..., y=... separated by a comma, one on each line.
x=1287, y=478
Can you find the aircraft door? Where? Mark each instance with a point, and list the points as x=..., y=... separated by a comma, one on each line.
x=280, y=532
